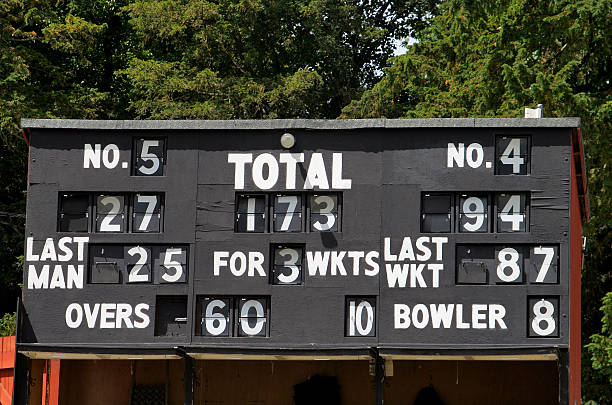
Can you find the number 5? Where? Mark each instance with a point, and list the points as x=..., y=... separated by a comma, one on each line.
x=150, y=157
x=172, y=264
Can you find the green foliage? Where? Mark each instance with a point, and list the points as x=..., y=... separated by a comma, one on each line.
x=260, y=58
x=57, y=60
x=8, y=324
x=492, y=59
x=125, y=59
x=601, y=344
x=210, y=59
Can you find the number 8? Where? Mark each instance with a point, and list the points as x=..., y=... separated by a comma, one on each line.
x=543, y=316
x=504, y=262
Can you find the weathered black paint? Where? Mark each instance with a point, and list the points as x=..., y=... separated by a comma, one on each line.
x=390, y=168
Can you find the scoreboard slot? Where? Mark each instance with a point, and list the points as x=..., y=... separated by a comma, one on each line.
x=543, y=316
x=149, y=157
x=507, y=264
x=171, y=315
x=512, y=155
x=118, y=264
x=360, y=316
x=287, y=266
x=323, y=213
x=74, y=212
x=223, y=316
x=110, y=212
x=473, y=212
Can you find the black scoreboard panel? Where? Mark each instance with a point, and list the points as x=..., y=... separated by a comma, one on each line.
x=217, y=237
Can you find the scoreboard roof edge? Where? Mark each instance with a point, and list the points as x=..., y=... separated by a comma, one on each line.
x=349, y=124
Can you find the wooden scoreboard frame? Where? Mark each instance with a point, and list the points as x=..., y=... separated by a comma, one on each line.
x=390, y=239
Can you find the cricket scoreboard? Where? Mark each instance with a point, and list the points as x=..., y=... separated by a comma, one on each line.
x=298, y=234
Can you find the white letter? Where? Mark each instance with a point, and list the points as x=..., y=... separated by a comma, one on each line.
x=291, y=160
x=356, y=256
x=336, y=263
x=435, y=273
x=80, y=241
x=57, y=279
x=415, y=316
x=30, y=257
x=416, y=276
x=124, y=311
x=238, y=256
x=75, y=276
x=91, y=156
x=257, y=171
x=441, y=314
x=239, y=159
x=67, y=252
x=317, y=263
x=438, y=241
x=388, y=256
x=477, y=316
x=256, y=260
x=144, y=318
x=316, y=175
x=474, y=147
x=425, y=251
x=36, y=281
x=91, y=315
x=374, y=268
x=397, y=273
x=454, y=154
x=401, y=316
x=107, y=162
x=406, y=251
x=48, y=252
x=218, y=261
x=70, y=322
x=459, y=318
x=107, y=316
x=496, y=314
x=337, y=181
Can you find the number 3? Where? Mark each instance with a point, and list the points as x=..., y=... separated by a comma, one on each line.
x=293, y=259
x=326, y=212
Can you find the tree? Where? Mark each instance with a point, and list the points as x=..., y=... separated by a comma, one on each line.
x=492, y=59
x=178, y=59
x=260, y=58
x=601, y=344
x=55, y=62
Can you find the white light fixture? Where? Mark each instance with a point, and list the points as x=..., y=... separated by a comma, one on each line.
x=287, y=140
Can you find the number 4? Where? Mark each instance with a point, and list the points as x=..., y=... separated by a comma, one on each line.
x=512, y=212
x=514, y=149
